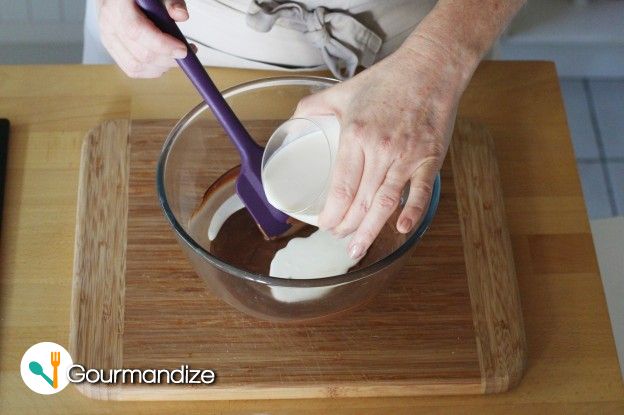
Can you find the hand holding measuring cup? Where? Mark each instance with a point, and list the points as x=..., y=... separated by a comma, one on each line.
x=396, y=119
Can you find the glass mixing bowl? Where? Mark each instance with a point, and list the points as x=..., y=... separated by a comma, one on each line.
x=196, y=157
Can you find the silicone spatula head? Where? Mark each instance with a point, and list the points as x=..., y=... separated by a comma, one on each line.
x=271, y=221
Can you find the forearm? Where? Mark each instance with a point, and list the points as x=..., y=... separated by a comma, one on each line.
x=462, y=32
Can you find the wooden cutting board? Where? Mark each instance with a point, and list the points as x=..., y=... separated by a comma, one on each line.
x=450, y=323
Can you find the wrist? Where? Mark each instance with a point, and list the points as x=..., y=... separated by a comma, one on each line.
x=463, y=31
x=448, y=58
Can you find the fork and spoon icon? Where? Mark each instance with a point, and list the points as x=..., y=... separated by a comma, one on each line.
x=55, y=361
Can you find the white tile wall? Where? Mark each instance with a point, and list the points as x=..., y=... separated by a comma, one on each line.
x=19, y=11
x=41, y=31
x=608, y=98
x=579, y=120
x=584, y=37
x=13, y=11
x=595, y=190
x=595, y=110
x=609, y=242
x=73, y=10
x=46, y=10
x=41, y=21
x=616, y=171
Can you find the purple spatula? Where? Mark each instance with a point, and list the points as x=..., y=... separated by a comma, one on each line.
x=271, y=221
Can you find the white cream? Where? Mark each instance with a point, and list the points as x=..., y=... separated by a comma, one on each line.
x=295, y=180
x=296, y=176
x=319, y=255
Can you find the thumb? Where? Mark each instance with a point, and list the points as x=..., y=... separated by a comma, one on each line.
x=177, y=10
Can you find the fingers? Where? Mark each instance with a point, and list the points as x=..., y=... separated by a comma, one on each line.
x=421, y=186
x=141, y=30
x=140, y=49
x=344, y=184
x=177, y=10
x=149, y=57
x=131, y=65
x=123, y=57
x=384, y=203
x=375, y=169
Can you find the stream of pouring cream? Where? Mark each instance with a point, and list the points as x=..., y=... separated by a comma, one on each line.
x=319, y=255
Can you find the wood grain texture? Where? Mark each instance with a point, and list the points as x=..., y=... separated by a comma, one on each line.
x=417, y=337
x=499, y=329
x=100, y=253
x=572, y=365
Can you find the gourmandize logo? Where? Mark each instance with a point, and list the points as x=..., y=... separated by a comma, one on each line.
x=44, y=368
x=47, y=368
x=55, y=360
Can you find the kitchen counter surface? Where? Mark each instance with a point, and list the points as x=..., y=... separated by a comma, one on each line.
x=572, y=364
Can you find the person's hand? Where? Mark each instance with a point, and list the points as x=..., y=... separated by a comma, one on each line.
x=396, y=120
x=139, y=48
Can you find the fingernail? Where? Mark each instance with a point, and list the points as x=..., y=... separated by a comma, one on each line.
x=179, y=53
x=181, y=11
x=356, y=251
x=405, y=225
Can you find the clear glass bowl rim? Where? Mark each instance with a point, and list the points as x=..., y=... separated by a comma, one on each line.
x=234, y=271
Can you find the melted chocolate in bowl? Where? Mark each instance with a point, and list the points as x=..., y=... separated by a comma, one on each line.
x=234, y=267
x=241, y=244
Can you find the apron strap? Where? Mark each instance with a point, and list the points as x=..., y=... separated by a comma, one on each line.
x=343, y=41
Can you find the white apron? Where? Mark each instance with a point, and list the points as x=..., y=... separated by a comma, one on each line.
x=287, y=35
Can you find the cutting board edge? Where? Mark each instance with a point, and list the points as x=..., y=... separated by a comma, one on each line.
x=490, y=265
x=432, y=387
x=109, y=313
x=493, y=379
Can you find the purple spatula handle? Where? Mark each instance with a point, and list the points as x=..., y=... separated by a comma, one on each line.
x=249, y=184
x=249, y=150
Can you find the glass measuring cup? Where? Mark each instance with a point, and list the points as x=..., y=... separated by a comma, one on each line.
x=297, y=165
